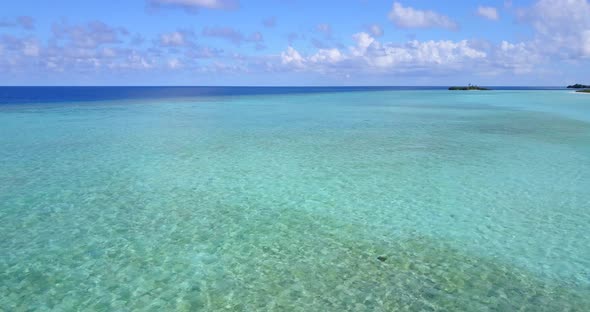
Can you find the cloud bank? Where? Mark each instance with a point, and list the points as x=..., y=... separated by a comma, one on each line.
x=560, y=35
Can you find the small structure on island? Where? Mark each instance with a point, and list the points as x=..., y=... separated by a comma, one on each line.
x=468, y=88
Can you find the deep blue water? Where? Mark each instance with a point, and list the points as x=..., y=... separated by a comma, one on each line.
x=18, y=95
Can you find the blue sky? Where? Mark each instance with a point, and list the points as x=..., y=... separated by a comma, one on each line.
x=294, y=42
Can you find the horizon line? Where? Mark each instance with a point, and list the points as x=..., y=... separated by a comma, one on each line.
x=264, y=86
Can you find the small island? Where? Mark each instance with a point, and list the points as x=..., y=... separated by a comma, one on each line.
x=584, y=91
x=468, y=88
x=578, y=86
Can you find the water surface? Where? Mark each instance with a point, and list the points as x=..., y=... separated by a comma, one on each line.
x=279, y=201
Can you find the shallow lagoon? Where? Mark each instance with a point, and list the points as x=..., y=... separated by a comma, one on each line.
x=285, y=201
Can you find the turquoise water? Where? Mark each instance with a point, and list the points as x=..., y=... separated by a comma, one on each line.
x=472, y=201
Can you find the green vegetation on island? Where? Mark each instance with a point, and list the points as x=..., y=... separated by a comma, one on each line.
x=469, y=87
x=578, y=86
x=584, y=90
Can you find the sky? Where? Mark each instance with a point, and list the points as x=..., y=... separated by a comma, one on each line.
x=294, y=42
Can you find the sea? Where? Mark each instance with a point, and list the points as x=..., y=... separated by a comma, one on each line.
x=294, y=199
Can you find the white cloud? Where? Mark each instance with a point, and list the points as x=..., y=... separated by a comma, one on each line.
x=363, y=41
x=408, y=17
x=375, y=30
x=174, y=63
x=488, y=12
x=173, y=39
x=518, y=58
x=203, y=52
x=90, y=35
x=108, y=53
x=561, y=26
x=134, y=60
x=327, y=56
x=208, y=4
x=31, y=48
x=291, y=57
